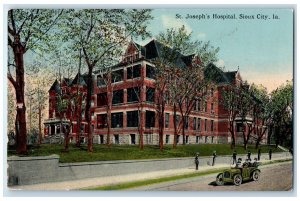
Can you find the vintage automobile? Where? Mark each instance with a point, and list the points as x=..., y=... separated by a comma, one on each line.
x=237, y=175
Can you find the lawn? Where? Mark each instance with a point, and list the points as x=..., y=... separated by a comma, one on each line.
x=129, y=152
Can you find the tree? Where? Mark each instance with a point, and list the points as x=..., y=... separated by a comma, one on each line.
x=101, y=35
x=184, y=85
x=281, y=113
x=253, y=103
x=230, y=102
x=28, y=29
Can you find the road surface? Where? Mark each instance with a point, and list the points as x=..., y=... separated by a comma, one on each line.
x=275, y=177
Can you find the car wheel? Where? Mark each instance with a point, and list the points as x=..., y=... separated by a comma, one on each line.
x=256, y=175
x=220, y=180
x=237, y=179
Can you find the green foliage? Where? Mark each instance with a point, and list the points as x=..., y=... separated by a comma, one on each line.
x=180, y=41
x=281, y=113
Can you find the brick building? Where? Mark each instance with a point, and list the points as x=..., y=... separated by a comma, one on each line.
x=134, y=109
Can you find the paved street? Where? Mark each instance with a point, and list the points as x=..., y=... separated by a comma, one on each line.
x=276, y=177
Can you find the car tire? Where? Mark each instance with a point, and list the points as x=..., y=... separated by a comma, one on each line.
x=255, y=175
x=237, y=179
x=220, y=179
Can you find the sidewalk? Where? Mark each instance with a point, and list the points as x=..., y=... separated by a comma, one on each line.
x=105, y=181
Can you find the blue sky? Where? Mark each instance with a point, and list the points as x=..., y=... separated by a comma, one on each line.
x=262, y=48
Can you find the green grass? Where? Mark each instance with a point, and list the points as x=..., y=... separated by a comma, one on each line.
x=153, y=181
x=166, y=179
x=130, y=152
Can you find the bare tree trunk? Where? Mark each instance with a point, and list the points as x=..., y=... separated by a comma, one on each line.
x=19, y=84
x=88, y=111
x=40, y=125
x=175, y=126
x=231, y=130
x=161, y=129
x=141, y=130
x=108, y=111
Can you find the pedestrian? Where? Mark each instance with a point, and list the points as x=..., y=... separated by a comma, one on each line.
x=249, y=155
x=234, y=157
x=258, y=154
x=197, y=161
x=270, y=154
x=214, y=158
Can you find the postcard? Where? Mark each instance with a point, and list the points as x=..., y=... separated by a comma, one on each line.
x=150, y=99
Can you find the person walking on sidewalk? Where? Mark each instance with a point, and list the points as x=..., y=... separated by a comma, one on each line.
x=249, y=155
x=234, y=157
x=214, y=158
x=270, y=154
x=258, y=154
x=197, y=161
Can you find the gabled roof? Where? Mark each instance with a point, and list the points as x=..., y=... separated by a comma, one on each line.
x=215, y=74
x=55, y=86
x=141, y=48
x=79, y=79
x=155, y=49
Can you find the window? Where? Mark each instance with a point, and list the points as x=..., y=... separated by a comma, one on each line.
x=117, y=76
x=211, y=125
x=186, y=122
x=116, y=139
x=199, y=124
x=197, y=139
x=132, y=138
x=118, y=97
x=167, y=139
x=132, y=119
x=166, y=97
x=196, y=105
x=150, y=119
x=117, y=120
x=150, y=72
x=187, y=102
x=100, y=80
x=239, y=127
x=101, y=121
x=187, y=139
x=205, y=106
x=150, y=94
x=212, y=139
x=133, y=72
x=205, y=123
x=133, y=94
x=199, y=105
x=167, y=120
x=194, y=123
x=101, y=139
x=212, y=92
x=178, y=138
x=177, y=120
x=212, y=108
x=101, y=99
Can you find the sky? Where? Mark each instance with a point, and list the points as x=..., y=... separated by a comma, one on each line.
x=260, y=46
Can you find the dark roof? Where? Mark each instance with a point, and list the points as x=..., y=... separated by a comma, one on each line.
x=215, y=74
x=79, y=79
x=141, y=48
x=155, y=49
x=230, y=75
x=55, y=86
x=67, y=80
